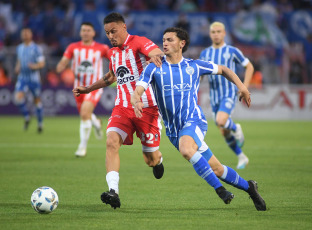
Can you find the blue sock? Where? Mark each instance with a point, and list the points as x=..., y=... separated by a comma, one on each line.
x=231, y=177
x=207, y=154
x=24, y=110
x=204, y=170
x=230, y=140
x=39, y=112
x=230, y=125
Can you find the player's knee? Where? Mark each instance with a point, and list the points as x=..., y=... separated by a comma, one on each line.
x=112, y=144
x=85, y=115
x=19, y=98
x=186, y=152
x=220, y=121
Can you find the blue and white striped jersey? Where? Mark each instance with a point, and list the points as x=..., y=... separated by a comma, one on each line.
x=176, y=87
x=228, y=56
x=29, y=54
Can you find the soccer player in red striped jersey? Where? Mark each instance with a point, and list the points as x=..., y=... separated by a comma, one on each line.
x=127, y=59
x=87, y=65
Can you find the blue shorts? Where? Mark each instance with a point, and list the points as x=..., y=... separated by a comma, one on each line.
x=26, y=85
x=227, y=105
x=194, y=128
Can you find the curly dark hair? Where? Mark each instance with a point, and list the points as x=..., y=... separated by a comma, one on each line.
x=181, y=34
x=113, y=17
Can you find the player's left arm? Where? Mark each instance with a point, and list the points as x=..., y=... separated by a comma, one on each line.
x=245, y=62
x=232, y=77
x=249, y=70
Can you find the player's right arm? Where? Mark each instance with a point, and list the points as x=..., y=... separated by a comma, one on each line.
x=60, y=67
x=107, y=80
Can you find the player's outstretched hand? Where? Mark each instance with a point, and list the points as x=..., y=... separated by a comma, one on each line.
x=138, y=109
x=246, y=96
x=156, y=60
x=80, y=90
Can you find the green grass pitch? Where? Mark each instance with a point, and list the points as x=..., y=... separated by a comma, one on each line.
x=280, y=154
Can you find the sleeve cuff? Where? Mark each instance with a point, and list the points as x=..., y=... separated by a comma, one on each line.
x=143, y=84
x=215, y=68
x=245, y=62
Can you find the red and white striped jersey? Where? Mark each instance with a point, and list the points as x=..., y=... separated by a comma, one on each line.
x=127, y=62
x=87, y=61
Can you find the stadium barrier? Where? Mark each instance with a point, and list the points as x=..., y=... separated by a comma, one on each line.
x=272, y=102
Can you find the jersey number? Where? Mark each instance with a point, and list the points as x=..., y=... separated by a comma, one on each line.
x=148, y=138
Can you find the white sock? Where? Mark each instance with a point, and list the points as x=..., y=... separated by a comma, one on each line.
x=241, y=155
x=85, y=130
x=161, y=160
x=112, y=179
x=95, y=122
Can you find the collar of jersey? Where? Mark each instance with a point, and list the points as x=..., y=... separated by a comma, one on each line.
x=173, y=64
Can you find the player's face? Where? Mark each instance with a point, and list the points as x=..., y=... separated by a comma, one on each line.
x=26, y=35
x=217, y=34
x=172, y=44
x=87, y=33
x=116, y=32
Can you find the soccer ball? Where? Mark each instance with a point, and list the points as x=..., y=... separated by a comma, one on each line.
x=44, y=200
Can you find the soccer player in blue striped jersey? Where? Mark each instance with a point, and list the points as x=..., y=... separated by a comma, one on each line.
x=175, y=84
x=223, y=93
x=29, y=61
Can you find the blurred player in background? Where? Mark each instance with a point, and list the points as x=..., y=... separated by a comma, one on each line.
x=29, y=61
x=87, y=65
x=223, y=93
x=127, y=60
x=176, y=85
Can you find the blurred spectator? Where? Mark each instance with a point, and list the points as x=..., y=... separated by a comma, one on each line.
x=4, y=78
x=257, y=79
x=186, y=6
x=183, y=22
x=68, y=77
x=52, y=78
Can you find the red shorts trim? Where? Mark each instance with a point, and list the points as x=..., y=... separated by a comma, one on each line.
x=93, y=97
x=148, y=128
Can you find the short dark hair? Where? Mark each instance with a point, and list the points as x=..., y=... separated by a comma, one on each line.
x=113, y=17
x=87, y=24
x=181, y=34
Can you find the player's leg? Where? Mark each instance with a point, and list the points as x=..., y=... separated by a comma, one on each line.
x=154, y=159
x=94, y=97
x=148, y=129
x=97, y=124
x=229, y=129
x=85, y=112
x=39, y=113
x=113, y=144
x=35, y=89
x=230, y=176
x=189, y=150
x=119, y=131
x=20, y=101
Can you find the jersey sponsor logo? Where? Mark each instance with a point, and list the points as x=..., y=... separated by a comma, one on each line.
x=123, y=75
x=189, y=70
x=161, y=72
x=85, y=68
x=179, y=87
